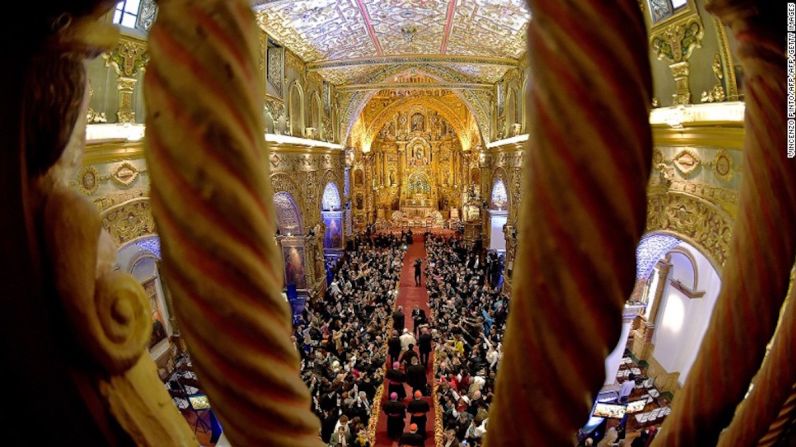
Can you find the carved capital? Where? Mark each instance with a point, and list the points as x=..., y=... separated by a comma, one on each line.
x=128, y=58
x=676, y=42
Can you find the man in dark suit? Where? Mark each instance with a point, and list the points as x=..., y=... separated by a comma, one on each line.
x=411, y=439
x=416, y=376
x=396, y=412
x=418, y=271
x=424, y=345
x=394, y=346
x=418, y=408
x=398, y=319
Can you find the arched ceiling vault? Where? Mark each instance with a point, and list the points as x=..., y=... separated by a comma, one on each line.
x=477, y=102
x=362, y=42
x=462, y=122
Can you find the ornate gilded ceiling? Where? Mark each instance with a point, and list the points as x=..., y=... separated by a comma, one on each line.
x=352, y=39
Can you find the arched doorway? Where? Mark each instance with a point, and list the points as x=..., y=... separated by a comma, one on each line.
x=331, y=210
x=290, y=239
x=141, y=258
x=676, y=290
x=498, y=216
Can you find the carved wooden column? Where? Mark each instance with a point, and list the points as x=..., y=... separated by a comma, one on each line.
x=211, y=198
x=762, y=252
x=128, y=59
x=583, y=214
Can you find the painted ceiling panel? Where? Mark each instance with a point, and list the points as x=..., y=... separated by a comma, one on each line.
x=489, y=28
x=324, y=30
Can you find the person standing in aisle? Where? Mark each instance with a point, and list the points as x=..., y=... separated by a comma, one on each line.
x=418, y=271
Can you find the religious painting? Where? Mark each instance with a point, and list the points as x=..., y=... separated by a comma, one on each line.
x=333, y=237
x=293, y=254
x=359, y=178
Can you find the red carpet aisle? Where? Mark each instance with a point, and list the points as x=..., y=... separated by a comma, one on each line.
x=408, y=297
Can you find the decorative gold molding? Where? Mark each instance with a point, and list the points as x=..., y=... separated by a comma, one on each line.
x=112, y=151
x=731, y=83
x=412, y=59
x=693, y=219
x=699, y=136
x=417, y=86
x=715, y=94
x=129, y=220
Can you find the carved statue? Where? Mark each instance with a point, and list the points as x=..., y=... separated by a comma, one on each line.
x=107, y=311
x=418, y=122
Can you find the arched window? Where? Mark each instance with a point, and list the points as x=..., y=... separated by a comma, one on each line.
x=500, y=197
x=331, y=198
x=288, y=216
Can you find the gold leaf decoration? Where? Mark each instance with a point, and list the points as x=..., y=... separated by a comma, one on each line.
x=687, y=162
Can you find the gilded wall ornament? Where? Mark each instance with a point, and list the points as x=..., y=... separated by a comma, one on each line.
x=716, y=94
x=695, y=220
x=723, y=166
x=657, y=157
x=687, y=162
x=125, y=174
x=89, y=180
x=129, y=220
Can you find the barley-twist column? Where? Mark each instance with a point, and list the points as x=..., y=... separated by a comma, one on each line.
x=772, y=385
x=210, y=197
x=755, y=277
x=589, y=161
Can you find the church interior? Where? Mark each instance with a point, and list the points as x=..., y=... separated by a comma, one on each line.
x=387, y=223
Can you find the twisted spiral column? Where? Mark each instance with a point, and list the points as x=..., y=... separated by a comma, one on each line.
x=589, y=162
x=772, y=386
x=210, y=198
x=755, y=277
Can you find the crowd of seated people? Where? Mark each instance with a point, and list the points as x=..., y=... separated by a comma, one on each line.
x=342, y=340
x=470, y=319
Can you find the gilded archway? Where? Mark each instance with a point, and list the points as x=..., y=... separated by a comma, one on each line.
x=477, y=102
x=500, y=176
x=283, y=183
x=466, y=130
x=697, y=221
x=129, y=220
